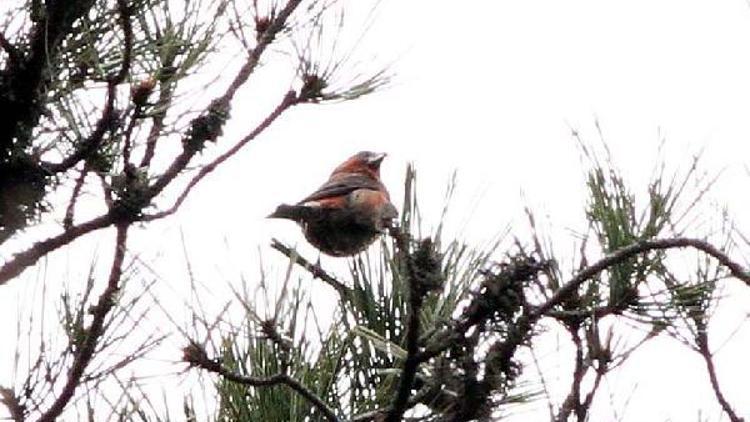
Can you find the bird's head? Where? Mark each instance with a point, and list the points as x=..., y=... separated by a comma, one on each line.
x=365, y=162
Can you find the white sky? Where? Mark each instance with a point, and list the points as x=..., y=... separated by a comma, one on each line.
x=492, y=89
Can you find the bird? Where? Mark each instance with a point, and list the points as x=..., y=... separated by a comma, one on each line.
x=349, y=211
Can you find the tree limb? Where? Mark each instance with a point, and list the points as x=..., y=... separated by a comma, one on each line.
x=166, y=92
x=13, y=404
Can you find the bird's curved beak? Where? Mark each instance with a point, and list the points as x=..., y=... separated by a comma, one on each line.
x=376, y=159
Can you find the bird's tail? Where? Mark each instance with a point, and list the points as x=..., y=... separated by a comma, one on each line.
x=294, y=212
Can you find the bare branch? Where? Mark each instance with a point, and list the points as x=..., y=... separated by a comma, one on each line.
x=22, y=260
x=594, y=388
x=702, y=340
x=316, y=270
x=85, y=353
x=127, y=30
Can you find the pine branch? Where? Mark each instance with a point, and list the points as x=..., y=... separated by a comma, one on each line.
x=418, y=289
x=109, y=114
x=208, y=126
x=627, y=252
x=166, y=93
x=205, y=127
x=196, y=356
x=484, y=305
x=22, y=98
x=449, y=335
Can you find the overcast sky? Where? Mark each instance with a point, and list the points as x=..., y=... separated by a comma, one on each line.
x=492, y=90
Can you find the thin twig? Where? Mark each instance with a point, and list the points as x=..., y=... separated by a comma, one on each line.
x=702, y=341
x=276, y=26
x=195, y=355
x=127, y=143
x=166, y=91
x=590, y=396
x=289, y=100
x=106, y=189
x=127, y=30
x=573, y=401
x=315, y=269
x=70, y=211
x=85, y=353
x=87, y=146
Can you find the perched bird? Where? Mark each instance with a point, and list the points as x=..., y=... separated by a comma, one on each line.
x=350, y=210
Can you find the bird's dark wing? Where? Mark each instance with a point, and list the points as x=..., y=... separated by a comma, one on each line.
x=343, y=186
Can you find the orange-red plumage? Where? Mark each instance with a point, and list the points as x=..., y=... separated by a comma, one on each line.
x=348, y=212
